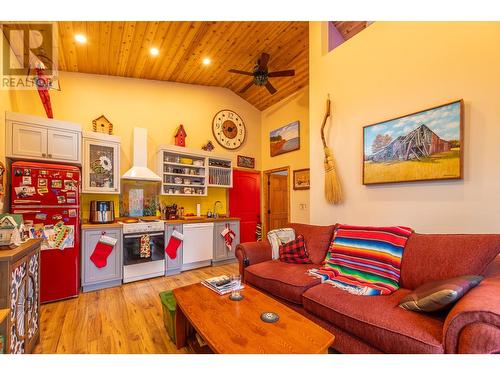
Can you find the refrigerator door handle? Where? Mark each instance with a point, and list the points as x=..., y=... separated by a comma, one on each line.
x=26, y=211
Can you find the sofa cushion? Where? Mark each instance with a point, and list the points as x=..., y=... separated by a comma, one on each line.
x=284, y=280
x=317, y=239
x=294, y=251
x=431, y=257
x=377, y=320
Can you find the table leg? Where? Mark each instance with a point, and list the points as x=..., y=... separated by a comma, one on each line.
x=181, y=325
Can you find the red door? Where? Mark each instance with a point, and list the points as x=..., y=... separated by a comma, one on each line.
x=244, y=202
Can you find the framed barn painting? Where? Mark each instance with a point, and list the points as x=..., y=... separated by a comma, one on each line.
x=285, y=139
x=246, y=161
x=422, y=146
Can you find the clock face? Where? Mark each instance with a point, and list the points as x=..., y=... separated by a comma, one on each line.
x=229, y=129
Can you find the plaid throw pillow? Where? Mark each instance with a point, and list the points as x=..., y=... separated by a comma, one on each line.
x=294, y=251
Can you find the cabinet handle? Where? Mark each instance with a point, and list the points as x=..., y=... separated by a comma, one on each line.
x=44, y=155
x=103, y=233
x=49, y=155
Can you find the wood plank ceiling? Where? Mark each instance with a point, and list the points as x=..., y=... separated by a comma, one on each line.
x=122, y=49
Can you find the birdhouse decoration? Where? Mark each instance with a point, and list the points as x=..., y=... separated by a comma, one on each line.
x=9, y=230
x=180, y=137
x=102, y=125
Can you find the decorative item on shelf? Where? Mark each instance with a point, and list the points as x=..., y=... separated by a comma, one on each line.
x=333, y=190
x=246, y=161
x=43, y=84
x=11, y=227
x=422, y=146
x=209, y=146
x=229, y=129
x=285, y=139
x=2, y=184
x=180, y=136
x=102, y=125
x=301, y=179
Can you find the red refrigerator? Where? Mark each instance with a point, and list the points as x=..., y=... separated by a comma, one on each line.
x=48, y=197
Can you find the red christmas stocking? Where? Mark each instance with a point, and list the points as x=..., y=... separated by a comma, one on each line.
x=173, y=244
x=228, y=235
x=102, y=249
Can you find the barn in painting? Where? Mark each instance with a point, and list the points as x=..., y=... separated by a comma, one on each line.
x=420, y=142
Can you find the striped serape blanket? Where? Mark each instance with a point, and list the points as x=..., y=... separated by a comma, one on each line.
x=364, y=260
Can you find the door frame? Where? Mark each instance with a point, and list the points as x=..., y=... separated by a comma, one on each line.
x=265, y=189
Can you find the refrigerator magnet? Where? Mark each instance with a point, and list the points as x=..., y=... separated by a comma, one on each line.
x=61, y=199
x=26, y=180
x=56, y=217
x=42, y=182
x=42, y=172
x=27, y=172
x=69, y=174
x=18, y=172
x=71, y=194
x=72, y=212
x=24, y=191
x=41, y=216
x=71, y=200
x=56, y=184
x=43, y=190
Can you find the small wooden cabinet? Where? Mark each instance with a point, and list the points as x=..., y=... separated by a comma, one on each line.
x=221, y=252
x=94, y=278
x=41, y=139
x=20, y=292
x=173, y=266
x=101, y=163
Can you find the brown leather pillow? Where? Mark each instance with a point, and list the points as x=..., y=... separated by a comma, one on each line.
x=438, y=295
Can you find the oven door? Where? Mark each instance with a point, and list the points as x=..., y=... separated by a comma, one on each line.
x=132, y=248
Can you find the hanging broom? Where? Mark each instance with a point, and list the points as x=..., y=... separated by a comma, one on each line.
x=333, y=191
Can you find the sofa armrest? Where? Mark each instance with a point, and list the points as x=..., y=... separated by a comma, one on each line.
x=477, y=314
x=252, y=253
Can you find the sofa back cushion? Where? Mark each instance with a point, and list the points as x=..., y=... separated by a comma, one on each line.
x=430, y=257
x=317, y=239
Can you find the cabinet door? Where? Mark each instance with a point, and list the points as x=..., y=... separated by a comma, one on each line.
x=176, y=263
x=17, y=319
x=32, y=301
x=113, y=269
x=101, y=167
x=220, y=249
x=235, y=227
x=63, y=145
x=29, y=141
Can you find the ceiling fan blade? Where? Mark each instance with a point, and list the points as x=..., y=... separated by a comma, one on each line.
x=240, y=72
x=264, y=59
x=246, y=87
x=282, y=73
x=270, y=88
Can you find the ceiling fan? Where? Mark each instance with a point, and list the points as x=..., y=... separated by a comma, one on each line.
x=261, y=75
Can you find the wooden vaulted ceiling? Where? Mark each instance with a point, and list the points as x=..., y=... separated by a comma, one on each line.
x=122, y=49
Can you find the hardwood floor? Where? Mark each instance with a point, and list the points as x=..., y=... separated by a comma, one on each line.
x=124, y=319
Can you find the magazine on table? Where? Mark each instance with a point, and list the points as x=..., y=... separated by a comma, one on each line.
x=221, y=284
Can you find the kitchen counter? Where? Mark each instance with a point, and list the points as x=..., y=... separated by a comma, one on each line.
x=203, y=219
x=98, y=226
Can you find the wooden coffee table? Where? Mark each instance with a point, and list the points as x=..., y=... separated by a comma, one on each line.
x=231, y=327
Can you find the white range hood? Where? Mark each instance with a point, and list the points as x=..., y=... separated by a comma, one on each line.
x=140, y=170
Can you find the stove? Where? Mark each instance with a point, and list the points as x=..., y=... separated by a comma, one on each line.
x=143, y=250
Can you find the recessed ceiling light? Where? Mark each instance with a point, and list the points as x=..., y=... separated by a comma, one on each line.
x=154, y=51
x=81, y=38
x=206, y=61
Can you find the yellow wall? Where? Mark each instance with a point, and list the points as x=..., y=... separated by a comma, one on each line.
x=391, y=69
x=158, y=106
x=4, y=106
x=293, y=108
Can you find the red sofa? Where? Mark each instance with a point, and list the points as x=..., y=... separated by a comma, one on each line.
x=377, y=324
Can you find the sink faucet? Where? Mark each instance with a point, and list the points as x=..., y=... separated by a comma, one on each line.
x=217, y=204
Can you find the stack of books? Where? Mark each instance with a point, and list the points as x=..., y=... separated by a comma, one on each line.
x=222, y=284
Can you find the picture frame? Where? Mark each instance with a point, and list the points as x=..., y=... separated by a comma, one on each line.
x=421, y=146
x=246, y=162
x=285, y=139
x=301, y=179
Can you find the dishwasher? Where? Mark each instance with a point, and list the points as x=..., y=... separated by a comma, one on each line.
x=198, y=245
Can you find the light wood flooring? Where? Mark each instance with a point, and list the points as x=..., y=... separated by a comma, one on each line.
x=124, y=319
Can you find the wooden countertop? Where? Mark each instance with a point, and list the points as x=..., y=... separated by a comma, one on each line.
x=3, y=314
x=20, y=251
x=203, y=219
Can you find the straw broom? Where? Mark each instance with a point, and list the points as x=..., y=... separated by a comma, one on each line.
x=333, y=190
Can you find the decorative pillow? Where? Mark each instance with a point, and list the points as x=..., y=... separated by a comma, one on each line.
x=294, y=251
x=278, y=237
x=365, y=260
x=439, y=295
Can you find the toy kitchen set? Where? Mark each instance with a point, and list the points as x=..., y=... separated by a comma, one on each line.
x=149, y=238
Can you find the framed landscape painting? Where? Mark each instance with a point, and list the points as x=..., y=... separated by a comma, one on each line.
x=422, y=146
x=285, y=139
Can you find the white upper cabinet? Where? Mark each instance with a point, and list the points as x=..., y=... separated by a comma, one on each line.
x=41, y=139
x=101, y=163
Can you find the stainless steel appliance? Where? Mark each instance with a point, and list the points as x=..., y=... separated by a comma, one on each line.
x=102, y=212
x=143, y=250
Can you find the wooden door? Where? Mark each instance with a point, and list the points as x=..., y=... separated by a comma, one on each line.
x=29, y=141
x=244, y=202
x=278, y=201
x=63, y=145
